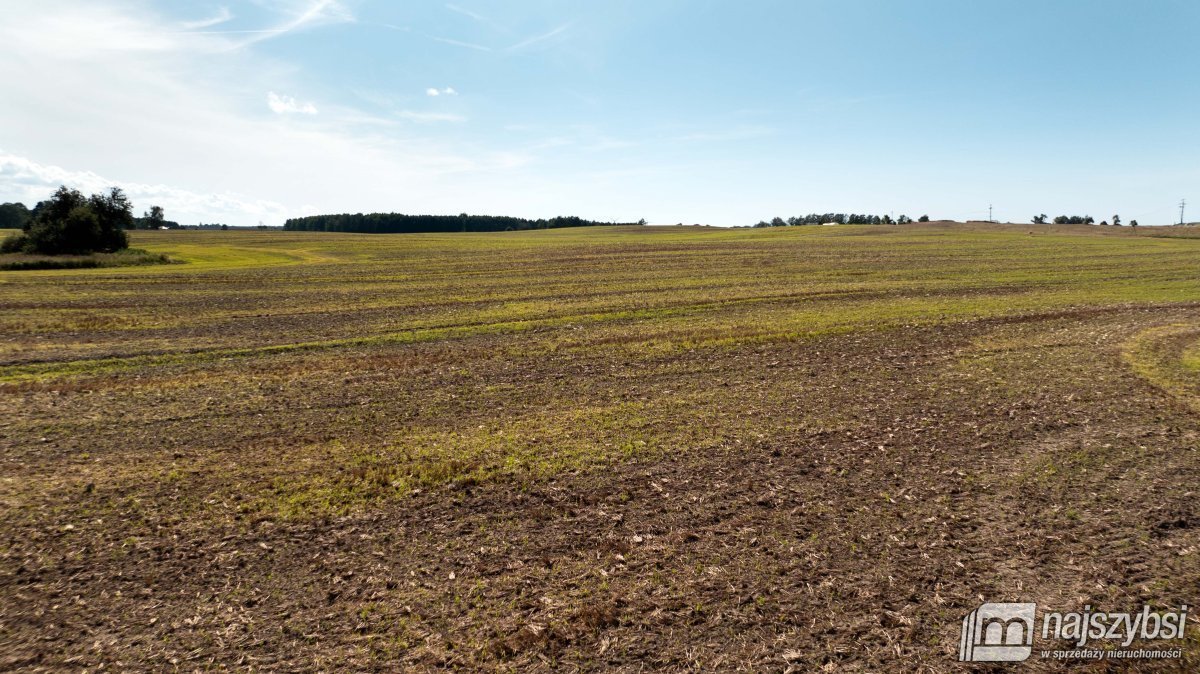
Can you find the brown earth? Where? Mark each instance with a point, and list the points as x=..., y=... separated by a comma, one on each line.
x=966, y=471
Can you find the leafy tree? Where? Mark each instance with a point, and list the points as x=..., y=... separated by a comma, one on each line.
x=1040, y=219
x=69, y=223
x=115, y=213
x=153, y=218
x=923, y=218
x=778, y=222
x=1133, y=223
x=1117, y=220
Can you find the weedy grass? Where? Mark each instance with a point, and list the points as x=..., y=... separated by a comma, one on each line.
x=1168, y=356
x=130, y=257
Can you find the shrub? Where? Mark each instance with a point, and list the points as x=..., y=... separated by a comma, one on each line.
x=13, y=244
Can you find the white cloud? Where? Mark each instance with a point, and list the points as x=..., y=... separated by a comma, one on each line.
x=286, y=105
x=448, y=91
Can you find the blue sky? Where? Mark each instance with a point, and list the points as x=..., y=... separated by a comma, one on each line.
x=712, y=112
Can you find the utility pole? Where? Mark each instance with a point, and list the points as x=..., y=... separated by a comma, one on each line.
x=990, y=213
x=1182, y=203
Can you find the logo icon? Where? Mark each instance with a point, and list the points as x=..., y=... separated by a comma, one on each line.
x=997, y=633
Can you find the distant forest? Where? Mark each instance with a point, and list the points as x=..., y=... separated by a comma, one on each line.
x=398, y=223
x=839, y=219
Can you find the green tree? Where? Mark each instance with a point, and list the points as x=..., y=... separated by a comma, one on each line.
x=153, y=218
x=1133, y=223
x=69, y=223
x=1117, y=220
x=923, y=218
x=115, y=213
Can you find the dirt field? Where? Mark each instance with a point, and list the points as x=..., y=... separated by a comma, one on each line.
x=670, y=449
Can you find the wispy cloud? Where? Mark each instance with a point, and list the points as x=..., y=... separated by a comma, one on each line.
x=443, y=40
x=286, y=105
x=220, y=17
x=467, y=13
x=448, y=91
x=476, y=16
x=459, y=43
x=310, y=14
x=540, y=38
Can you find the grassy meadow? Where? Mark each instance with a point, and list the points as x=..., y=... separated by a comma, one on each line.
x=593, y=448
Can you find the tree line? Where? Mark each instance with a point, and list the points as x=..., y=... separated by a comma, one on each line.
x=838, y=219
x=399, y=223
x=1079, y=220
